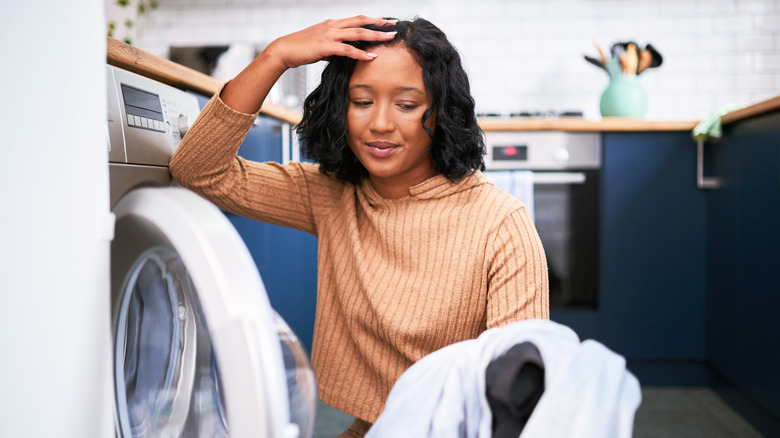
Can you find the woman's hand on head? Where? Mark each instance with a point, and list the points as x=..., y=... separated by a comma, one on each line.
x=327, y=39
x=247, y=91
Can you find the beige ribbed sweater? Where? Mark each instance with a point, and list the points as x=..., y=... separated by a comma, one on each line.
x=397, y=278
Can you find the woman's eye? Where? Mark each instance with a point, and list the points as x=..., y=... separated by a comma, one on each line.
x=407, y=106
x=361, y=103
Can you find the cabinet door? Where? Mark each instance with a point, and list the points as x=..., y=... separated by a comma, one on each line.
x=744, y=260
x=652, y=244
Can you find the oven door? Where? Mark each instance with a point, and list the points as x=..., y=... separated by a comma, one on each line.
x=566, y=206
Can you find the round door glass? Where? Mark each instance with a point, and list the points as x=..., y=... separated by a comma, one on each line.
x=301, y=385
x=166, y=376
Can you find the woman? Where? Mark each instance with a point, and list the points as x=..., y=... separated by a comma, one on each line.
x=416, y=250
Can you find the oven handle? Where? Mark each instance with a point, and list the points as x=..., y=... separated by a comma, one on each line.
x=559, y=178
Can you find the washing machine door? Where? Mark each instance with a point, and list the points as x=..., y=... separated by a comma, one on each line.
x=198, y=349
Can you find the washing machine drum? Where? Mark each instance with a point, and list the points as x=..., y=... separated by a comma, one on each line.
x=198, y=351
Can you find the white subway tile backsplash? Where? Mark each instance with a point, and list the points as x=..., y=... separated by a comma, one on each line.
x=734, y=23
x=677, y=7
x=740, y=62
x=754, y=42
x=605, y=8
x=528, y=55
x=716, y=82
x=759, y=6
x=689, y=65
x=695, y=25
x=767, y=62
x=758, y=81
x=767, y=22
x=723, y=7
x=530, y=9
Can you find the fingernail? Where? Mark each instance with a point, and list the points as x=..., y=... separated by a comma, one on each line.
x=371, y=55
x=393, y=33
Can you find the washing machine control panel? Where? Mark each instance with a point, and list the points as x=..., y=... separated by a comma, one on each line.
x=146, y=119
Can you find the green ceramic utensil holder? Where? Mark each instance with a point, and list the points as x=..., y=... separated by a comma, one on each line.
x=624, y=97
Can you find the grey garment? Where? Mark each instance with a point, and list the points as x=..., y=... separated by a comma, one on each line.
x=514, y=383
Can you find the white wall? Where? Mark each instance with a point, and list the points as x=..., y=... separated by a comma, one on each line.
x=55, y=363
x=527, y=55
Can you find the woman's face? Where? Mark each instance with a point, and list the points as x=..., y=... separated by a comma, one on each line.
x=387, y=99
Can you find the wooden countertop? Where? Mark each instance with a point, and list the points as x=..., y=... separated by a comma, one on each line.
x=763, y=107
x=617, y=124
x=579, y=124
x=138, y=61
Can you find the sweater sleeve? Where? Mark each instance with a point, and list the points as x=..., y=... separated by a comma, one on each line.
x=518, y=286
x=207, y=163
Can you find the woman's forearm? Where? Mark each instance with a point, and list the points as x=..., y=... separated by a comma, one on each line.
x=248, y=90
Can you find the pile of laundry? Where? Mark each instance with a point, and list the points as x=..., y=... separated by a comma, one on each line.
x=527, y=379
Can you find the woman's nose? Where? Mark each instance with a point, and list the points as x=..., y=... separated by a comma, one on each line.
x=381, y=119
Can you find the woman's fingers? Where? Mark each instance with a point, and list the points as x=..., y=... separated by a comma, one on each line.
x=353, y=33
x=327, y=39
x=361, y=20
x=360, y=34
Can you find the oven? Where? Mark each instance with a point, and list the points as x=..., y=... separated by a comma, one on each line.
x=556, y=174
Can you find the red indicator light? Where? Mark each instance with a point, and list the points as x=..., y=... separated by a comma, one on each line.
x=510, y=150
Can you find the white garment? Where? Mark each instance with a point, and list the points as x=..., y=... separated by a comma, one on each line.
x=588, y=391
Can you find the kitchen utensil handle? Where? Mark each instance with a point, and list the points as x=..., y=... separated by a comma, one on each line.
x=704, y=182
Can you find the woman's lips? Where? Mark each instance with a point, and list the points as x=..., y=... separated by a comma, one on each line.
x=381, y=149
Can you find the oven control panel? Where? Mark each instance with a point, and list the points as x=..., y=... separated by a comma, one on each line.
x=542, y=150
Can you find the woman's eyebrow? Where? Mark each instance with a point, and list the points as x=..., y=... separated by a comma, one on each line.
x=410, y=90
x=413, y=90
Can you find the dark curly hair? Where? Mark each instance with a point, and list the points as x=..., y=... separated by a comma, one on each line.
x=457, y=145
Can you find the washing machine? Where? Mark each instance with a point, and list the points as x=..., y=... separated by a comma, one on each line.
x=198, y=350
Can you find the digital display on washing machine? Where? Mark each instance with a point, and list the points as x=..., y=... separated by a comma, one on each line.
x=143, y=109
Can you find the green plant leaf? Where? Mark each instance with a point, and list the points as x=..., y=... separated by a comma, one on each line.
x=141, y=8
x=128, y=41
x=129, y=24
x=153, y=4
x=123, y=3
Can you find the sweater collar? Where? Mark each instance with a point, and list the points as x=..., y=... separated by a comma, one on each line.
x=435, y=187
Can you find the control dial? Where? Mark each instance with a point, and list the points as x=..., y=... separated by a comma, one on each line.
x=561, y=156
x=185, y=123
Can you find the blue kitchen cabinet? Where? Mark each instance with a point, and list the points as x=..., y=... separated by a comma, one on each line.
x=743, y=271
x=285, y=258
x=653, y=252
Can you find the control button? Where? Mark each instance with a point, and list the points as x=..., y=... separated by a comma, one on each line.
x=561, y=155
x=137, y=120
x=130, y=120
x=185, y=122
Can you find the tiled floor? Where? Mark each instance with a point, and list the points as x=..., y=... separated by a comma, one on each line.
x=665, y=412
x=330, y=421
x=688, y=412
